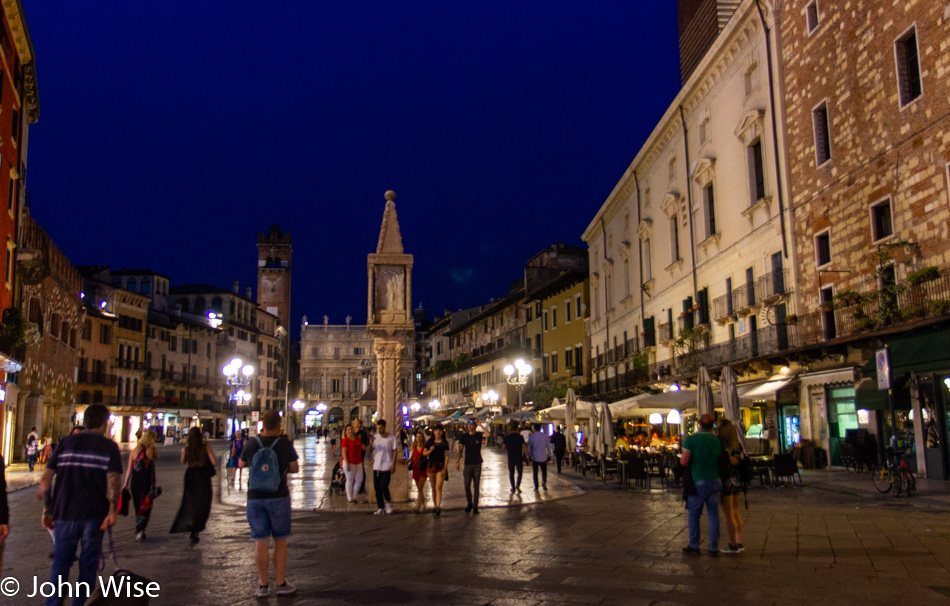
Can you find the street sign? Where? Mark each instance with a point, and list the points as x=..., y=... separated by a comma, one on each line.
x=883, y=369
x=255, y=416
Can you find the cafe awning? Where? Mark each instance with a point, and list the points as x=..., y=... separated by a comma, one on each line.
x=921, y=352
x=762, y=391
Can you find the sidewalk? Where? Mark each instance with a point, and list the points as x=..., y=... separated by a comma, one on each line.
x=929, y=493
x=309, y=489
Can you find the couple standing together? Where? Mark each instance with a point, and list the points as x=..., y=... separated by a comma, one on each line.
x=384, y=445
x=430, y=461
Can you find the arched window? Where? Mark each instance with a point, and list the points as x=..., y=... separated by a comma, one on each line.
x=132, y=285
x=200, y=306
x=128, y=388
x=135, y=388
x=55, y=326
x=146, y=286
x=216, y=305
x=64, y=332
x=183, y=301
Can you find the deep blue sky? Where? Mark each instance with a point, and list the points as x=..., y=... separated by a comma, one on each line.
x=171, y=133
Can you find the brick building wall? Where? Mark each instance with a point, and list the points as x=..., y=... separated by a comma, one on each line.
x=883, y=148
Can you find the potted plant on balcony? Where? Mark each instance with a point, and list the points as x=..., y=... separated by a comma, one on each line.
x=924, y=274
x=791, y=319
x=848, y=297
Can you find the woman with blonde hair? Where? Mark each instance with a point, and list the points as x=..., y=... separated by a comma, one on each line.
x=140, y=480
x=729, y=499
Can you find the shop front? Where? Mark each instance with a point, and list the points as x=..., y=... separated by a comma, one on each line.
x=919, y=395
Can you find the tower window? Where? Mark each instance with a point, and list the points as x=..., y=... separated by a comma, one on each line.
x=908, y=67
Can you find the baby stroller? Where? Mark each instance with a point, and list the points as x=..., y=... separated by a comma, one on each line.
x=337, y=479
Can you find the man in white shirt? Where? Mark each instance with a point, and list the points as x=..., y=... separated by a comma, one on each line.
x=384, y=463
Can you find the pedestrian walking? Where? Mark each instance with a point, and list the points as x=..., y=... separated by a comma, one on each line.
x=526, y=432
x=731, y=486
x=32, y=448
x=88, y=472
x=437, y=453
x=559, y=443
x=196, y=501
x=385, y=445
x=701, y=455
x=334, y=435
x=270, y=457
x=418, y=464
x=470, y=444
x=140, y=480
x=539, y=451
x=352, y=462
x=363, y=435
x=517, y=454
x=234, y=458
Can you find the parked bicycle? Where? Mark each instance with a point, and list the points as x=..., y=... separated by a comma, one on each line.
x=895, y=474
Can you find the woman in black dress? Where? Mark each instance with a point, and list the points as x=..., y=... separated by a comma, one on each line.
x=437, y=452
x=196, y=501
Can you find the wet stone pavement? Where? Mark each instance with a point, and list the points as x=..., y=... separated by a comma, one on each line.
x=815, y=544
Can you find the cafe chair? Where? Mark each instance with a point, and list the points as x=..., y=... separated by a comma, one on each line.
x=785, y=466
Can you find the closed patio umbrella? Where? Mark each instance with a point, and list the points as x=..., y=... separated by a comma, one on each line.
x=607, y=428
x=730, y=402
x=570, y=417
x=593, y=439
x=704, y=394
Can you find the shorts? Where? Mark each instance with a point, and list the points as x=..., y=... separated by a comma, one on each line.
x=269, y=518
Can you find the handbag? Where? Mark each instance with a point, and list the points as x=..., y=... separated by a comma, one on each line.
x=118, y=585
x=124, y=499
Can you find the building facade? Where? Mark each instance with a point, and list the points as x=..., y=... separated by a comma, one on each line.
x=49, y=288
x=337, y=367
x=868, y=124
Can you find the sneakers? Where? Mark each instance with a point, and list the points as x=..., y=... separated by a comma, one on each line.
x=379, y=512
x=741, y=548
x=262, y=591
x=691, y=551
x=731, y=549
x=286, y=589
x=140, y=536
x=389, y=509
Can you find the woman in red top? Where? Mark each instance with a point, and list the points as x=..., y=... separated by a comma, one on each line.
x=419, y=469
x=352, y=448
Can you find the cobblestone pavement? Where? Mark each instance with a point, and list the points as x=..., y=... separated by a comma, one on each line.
x=309, y=488
x=826, y=541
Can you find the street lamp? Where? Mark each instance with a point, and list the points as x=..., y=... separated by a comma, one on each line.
x=490, y=397
x=237, y=375
x=435, y=405
x=415, y=407
x=517, y=375
x=298, y=405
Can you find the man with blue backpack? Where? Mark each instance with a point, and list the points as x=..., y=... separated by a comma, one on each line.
x=270, y=457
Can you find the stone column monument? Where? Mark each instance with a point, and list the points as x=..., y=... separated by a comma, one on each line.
x=389, y=320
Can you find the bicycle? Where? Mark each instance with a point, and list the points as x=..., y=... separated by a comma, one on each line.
x=895, y=474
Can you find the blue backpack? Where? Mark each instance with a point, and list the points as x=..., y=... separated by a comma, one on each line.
x=265, y=469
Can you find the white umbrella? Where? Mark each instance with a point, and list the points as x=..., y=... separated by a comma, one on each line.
x=593, y=439
x=582, y=410
x=730, y=402
x=704, y=395
x=606, y=428
x=570, y=417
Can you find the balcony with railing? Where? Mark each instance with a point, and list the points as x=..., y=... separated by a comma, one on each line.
x=86, y=377
x=743, y=297
x=129, y=364
x=665, y=333
x=772, y=286
x=722, y=308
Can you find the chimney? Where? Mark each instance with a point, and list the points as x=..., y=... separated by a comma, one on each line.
x=237, y=287
x=248, y=291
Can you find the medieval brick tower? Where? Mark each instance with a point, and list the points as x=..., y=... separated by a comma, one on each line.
x=273, y=273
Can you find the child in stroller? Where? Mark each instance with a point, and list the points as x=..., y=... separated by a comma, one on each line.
x=337, y=479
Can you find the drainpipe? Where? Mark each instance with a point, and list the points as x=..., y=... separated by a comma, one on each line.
x=689, y=200
x=778, y=171
x=636, y=180
x=603, y=229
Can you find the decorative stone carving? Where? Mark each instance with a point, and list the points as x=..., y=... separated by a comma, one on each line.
x=751, y=126
x=704, y=171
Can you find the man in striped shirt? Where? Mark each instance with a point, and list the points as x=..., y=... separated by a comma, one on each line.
x=88, y=471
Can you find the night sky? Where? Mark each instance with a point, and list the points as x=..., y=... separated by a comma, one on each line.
x=171, y=133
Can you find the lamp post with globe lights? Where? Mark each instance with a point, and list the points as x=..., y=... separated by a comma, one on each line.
x=237, y=376
x=517, y=375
